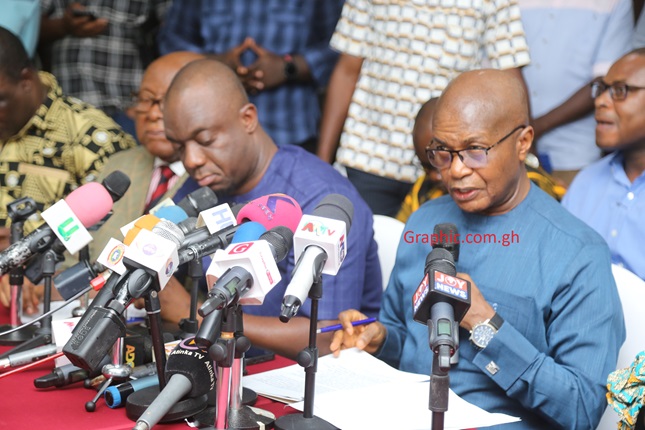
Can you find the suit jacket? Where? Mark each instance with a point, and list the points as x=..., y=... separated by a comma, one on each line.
x=138, y=164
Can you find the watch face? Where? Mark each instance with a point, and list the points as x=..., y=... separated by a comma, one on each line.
x=482, y=335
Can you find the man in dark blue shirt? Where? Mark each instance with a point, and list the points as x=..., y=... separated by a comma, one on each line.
x=279, y=48
x=210, y=121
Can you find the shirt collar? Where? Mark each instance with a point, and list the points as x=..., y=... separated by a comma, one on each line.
x=177, y=167
x=616, y=164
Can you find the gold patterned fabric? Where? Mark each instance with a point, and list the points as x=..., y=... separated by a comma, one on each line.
x=64, y=145
x=423, y=190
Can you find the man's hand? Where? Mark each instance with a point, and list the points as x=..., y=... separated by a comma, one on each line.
x=368, y=337
x=31, y=295
x=265, y=73
x=480, y=310
x=82, y=26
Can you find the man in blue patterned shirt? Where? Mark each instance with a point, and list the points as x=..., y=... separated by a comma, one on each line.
x=279, y=48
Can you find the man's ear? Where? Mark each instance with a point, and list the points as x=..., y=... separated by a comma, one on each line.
x=524, y=142
x=249, y=117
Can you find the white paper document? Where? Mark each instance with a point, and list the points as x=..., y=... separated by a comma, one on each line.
x=358, y=391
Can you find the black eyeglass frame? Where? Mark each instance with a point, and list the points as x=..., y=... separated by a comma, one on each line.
x=617, y=90
x=431, y=152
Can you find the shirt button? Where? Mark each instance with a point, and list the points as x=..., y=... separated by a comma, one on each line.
x=630, y=196
x=614, y=233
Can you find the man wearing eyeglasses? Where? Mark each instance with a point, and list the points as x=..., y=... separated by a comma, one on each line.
x=609, y=195
x=547, y=304
x=154, y=165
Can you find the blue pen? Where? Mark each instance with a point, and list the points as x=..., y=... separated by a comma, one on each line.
x=340, y=327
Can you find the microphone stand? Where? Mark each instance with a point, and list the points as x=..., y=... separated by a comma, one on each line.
x=308, y=358
x=18, y=212
x=139, y=401
x=228, y=352
x=116, y=371
x=189, y=325
x=443, y=346
x=83, y=256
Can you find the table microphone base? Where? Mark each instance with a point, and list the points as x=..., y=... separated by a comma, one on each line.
x=299, y=422
x=245, y=418
x=17, y=337
x=139, y=401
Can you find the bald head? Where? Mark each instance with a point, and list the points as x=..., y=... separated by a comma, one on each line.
x=483, y=117
x=216, y=82
x=167, y=67
x=495, y=96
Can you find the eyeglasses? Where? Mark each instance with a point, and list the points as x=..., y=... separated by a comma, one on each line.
x=144, y=104
x=617, y=90
x=473, y=158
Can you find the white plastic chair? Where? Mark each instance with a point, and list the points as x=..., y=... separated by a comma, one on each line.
x=387, y=233
x=631, y=289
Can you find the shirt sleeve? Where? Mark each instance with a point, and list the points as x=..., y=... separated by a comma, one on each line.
x=584, y=330
x=181, y=29
x=97, y=139
x=504, y=38
x=616, y=37
x=353, y=30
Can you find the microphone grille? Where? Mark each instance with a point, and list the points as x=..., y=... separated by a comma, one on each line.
x=441, y=260
x=170, y=231
x=447, y=238
x=281, y=240
x=336, y=206
x=198, y=201
x=116, y=183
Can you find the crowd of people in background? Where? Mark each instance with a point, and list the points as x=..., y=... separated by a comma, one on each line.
x=489, y=112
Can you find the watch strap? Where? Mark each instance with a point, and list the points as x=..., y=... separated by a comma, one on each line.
x=496, y=321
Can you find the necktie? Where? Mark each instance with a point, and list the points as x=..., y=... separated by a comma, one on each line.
x=162, y=187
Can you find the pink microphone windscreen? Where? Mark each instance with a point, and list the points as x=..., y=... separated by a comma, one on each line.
x=90, y=202
x=271, y=211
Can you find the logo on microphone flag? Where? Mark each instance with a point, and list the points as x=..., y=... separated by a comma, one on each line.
x=450, y=285
x=420, y=294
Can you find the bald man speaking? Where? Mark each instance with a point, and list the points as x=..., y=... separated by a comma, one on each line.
x=542, y=287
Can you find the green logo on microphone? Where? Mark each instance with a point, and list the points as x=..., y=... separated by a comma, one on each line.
x=66, y=229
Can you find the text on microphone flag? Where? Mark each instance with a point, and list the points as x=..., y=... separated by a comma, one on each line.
x=450, y=285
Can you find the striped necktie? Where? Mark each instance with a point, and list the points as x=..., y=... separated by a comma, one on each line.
x=162, y=187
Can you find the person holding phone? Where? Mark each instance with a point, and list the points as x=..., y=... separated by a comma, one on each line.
x=98, y=50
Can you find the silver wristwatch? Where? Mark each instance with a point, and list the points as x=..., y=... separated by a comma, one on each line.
x=483, y=332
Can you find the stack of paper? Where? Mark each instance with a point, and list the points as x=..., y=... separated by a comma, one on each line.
x=358, y=391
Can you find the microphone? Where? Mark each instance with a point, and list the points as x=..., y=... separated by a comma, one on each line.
x=319, y=247
x=116, y=395
x=238, y=282
x=198, y=201
x=67, y=220
x=440, y=302
x=271, y=211
x=174, y=214
x=68, y=374
x=75, y=279
x=24, y=357
x=190, y=373
x=245, y=272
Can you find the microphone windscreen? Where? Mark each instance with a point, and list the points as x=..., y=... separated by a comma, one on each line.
x=170, y=231
x=248, y=232
x=440, y=259
x=192, y=361
x=281, y=240
x=271, y=211
x=199, y=200
x=90, y=203
x=447, y=237
x=116, y=183
x=173, y=213
x=336, y=206
x=146, y=222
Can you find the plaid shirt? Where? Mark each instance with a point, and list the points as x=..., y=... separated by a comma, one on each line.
x=105, y=70
x=289, y=113
x=64, y=145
